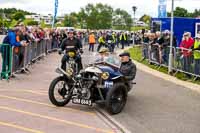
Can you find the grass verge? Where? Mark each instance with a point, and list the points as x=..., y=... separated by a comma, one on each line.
x=136, y=54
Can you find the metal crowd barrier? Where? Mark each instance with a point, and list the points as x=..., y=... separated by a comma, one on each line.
x=22, y=57
x=181, y=63
x=6, y=58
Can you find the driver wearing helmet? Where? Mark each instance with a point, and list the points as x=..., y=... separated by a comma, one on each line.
x=71, y=43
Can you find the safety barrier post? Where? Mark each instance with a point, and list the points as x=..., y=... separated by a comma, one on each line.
x=6, y=51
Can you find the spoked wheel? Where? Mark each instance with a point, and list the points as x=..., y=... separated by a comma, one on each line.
x=59, y=92
x=116, y=99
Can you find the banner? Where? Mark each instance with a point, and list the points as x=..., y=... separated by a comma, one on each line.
x=162, y=9
x=55, y=12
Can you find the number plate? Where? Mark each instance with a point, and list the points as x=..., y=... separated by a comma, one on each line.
x=108, y=84
x=82, y=101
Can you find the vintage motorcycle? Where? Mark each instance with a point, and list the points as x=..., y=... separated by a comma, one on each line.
x=99, y=83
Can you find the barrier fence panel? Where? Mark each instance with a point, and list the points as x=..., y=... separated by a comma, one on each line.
x=15, y=59
x=34, y=51
x=49, y=45
x=184, y=60
x=6, y=54
x=187, y=61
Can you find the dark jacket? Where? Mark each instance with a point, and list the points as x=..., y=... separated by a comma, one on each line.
x=128, y=69
x=71, y=45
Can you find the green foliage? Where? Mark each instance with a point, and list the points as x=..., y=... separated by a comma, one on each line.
x=139, y=28
x=182, y=12
x=145, y=18
x=18, y=16
x=4, y=23
x=32, y=23
x=14, y=15
x=13, y=23
x=97, y=16
x=42, y=24
x=14, y=10
x=70, y=20
x=122, y=20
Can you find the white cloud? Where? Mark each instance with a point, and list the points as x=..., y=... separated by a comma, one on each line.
x=66, y=6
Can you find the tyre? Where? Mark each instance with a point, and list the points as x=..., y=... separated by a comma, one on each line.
x=116, y=98
x=59, y=92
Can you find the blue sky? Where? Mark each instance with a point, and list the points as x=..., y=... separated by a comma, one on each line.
x=65, y=6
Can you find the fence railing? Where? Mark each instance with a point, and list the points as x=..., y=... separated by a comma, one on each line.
x=184, y=60
x=15, y=59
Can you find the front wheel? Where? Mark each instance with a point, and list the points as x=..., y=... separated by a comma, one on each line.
x=116, y=98
x=59, y=92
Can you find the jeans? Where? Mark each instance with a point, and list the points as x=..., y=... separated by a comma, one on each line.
x=122, y=43
x=197, y=66
x=145, y=51
x=165, y=56
x=91, y=47
x=112, y=47
x=187, y=65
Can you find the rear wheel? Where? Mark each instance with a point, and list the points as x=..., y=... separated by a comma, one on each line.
x=116, y=98
x=59, y=92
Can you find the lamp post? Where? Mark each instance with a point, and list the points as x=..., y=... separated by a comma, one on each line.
x=134, y=10
x=171, y=39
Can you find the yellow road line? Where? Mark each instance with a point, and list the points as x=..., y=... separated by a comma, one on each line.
x=34, y=92
x=19, y=127
x=45, y=104
x=58, y=120
x=28, y=91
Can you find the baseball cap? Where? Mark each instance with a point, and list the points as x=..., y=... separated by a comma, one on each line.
x=125, y=54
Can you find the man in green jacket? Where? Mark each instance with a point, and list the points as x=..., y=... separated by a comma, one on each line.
x=102, y=41
x=123, y=39
x=196, y=53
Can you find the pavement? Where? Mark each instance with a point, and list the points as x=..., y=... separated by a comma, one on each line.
x=160, y=103
x=25, y=107
x=157, y=104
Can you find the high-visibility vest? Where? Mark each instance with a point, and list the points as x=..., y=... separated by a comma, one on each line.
x=197, y=53
x=101, y=40
x=92, y=39
x=114, y=39
x=121, y=37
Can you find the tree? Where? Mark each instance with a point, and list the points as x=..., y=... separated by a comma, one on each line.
x=32, y=23
x=97, y=16
x=13, y=23
x=145, y=18
x=18, y=16
x=70, y=20
x=42, y=24
x=180, y=12
x=122, y=20
x=196, y=13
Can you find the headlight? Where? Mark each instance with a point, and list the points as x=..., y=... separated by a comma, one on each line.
x=71, y=54
x=69, y=71
x=105, y=75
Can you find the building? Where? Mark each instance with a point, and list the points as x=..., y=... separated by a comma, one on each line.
x=39, y=18
x=140, y=23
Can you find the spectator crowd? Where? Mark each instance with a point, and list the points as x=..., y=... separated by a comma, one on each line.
x=186, y=55
x=155, y=46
